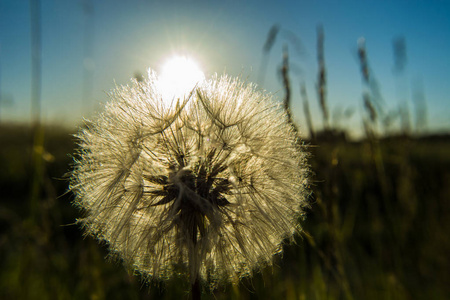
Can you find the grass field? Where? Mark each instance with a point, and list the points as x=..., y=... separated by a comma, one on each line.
x=378, y=227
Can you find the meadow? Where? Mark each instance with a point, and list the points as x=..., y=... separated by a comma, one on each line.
x=377, y=227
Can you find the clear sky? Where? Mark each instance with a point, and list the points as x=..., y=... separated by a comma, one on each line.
x=118, y=38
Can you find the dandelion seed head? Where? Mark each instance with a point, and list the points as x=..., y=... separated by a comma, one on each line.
x=213, y=184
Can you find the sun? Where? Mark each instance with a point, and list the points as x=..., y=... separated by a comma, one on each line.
x=179, y=75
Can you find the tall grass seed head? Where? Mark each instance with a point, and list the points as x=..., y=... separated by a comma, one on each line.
x=212, y=183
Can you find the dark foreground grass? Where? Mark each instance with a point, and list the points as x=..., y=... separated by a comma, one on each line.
x=377, y=229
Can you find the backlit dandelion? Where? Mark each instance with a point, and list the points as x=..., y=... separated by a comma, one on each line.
x=212, y=183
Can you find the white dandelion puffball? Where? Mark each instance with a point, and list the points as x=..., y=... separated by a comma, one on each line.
x=211, y=183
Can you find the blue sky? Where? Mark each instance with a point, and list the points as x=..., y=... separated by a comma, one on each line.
x=227, y=36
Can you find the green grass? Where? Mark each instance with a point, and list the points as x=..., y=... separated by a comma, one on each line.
x=377, y=228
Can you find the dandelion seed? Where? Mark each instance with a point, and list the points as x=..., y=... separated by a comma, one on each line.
x=213, y=183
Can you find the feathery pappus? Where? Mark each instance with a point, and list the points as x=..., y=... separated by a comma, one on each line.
x=212, y=182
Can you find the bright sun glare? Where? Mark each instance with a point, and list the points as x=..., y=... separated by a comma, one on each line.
x=178, y=77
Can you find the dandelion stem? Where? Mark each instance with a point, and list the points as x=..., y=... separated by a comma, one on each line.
x=195, y=290
x=195, y=287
